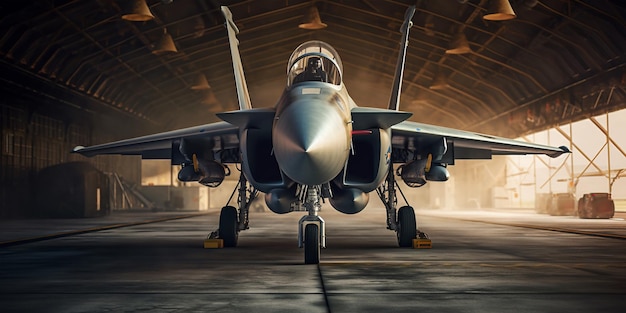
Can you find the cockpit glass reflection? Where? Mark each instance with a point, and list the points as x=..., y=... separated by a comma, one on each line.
x=314, y=61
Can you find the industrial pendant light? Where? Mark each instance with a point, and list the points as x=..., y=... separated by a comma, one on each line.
x=136, y=11
x=200, y=83
x=208, y=98
x=499, y=10
x=165, y=44
x=440, y=81
x=458, y=44
x=313, y=20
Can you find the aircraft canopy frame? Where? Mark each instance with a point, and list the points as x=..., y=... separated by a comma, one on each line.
x=331, y=63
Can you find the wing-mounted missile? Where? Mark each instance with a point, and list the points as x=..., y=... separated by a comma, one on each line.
x=199, y=164
x=206, y=172
x=417, y=172
x=430, y=164
x=413, y=173
x=438, y=172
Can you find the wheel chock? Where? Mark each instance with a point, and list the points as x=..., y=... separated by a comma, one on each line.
x=213, y=243
x=422, y=243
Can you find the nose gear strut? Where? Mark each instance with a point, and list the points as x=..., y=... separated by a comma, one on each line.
x=311, y=227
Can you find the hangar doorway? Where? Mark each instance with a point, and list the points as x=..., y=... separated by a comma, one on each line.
x=597, y=162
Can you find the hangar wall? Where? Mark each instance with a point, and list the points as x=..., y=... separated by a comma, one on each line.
x=33, y=139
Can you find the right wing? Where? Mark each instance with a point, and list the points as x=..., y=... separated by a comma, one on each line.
x=219, y=137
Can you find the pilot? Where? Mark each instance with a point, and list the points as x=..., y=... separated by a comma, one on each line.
x=313, y=72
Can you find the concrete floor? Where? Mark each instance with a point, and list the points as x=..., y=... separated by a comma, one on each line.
x=473, y=267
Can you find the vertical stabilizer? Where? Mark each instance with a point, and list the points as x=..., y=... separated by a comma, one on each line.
x=394, y=100
x=240, y=78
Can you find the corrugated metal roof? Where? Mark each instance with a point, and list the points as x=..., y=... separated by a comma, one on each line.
x=557, y=61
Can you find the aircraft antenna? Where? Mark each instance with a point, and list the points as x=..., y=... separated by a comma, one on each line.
x=394, y=100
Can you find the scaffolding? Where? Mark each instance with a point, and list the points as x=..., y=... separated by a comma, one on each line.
x=597, y=162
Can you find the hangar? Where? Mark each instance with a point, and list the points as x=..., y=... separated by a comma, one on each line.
x=90, y=72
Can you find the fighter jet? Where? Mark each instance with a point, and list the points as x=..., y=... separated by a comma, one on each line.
x=317, y=145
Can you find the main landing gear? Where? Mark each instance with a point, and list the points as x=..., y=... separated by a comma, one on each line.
x=402, y=221
x=311, y=227
x=233, y=220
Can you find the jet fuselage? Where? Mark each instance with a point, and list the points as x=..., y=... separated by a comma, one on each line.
x=311, y=132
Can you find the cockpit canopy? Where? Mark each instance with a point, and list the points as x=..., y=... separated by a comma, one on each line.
x=314, y=61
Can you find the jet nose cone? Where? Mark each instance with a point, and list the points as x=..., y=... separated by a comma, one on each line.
x=310, y=142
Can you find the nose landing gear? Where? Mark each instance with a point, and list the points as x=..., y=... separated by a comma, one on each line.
x=311, y=228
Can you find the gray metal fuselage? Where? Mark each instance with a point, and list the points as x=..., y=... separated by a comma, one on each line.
x=312, y=131
x=315, y=135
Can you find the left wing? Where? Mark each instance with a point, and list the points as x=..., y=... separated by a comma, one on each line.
x=458, y=144
x=218, y=136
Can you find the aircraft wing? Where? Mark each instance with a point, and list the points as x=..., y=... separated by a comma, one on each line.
x=219, y=136
x=463, y=144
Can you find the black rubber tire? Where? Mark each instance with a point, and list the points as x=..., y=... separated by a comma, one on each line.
x=311, y=244
x=228, y=229
x=407, y=228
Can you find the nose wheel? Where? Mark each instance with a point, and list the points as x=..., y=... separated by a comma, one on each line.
x=311, y=228
x=311, y=244
x=311, y=237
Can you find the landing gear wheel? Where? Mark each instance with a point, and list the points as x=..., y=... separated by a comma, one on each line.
x=407, y=229
x=311, y=244
x=228, y=226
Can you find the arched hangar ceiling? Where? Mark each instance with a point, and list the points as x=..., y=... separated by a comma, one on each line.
x=557, y=61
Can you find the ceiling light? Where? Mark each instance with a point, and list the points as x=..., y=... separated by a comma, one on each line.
x=499, y=10
x=165, y=44
x=313, y=20
x=208, y=99
x=200, y=83
x=136, y=11
x=429, y=26
x=458, y=44
x=440, y=81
